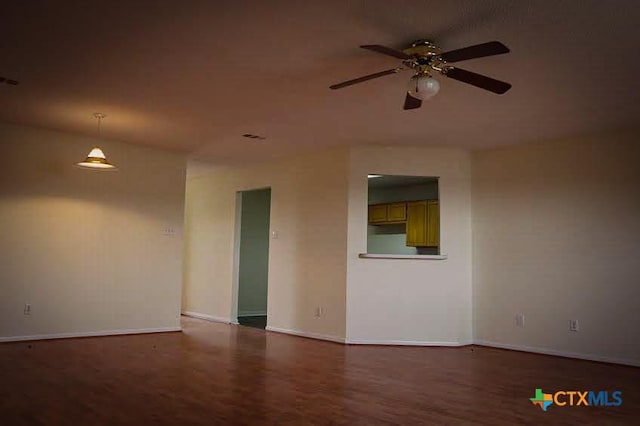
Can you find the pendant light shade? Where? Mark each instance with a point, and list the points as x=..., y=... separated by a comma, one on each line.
x=96, y=159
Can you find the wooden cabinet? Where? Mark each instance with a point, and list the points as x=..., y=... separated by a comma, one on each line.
x=423, y=223
x=422, y=219
x=397, y=212
x=417, y=224
x=380, y=214
x=433, y=223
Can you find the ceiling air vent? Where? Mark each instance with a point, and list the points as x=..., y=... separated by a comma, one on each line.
x=9, y=81
x=250, y=136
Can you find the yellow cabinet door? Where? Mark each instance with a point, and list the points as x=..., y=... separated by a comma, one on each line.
x=433, y=223
x=397, y=212
x=378, y=213
x=417, y=224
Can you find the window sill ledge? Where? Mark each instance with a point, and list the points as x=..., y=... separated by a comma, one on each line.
x=403, y=256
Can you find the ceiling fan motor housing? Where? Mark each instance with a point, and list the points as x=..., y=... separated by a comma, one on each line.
x=425, y=57
x=422, y=48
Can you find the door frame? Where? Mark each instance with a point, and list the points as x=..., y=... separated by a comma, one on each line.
x=235, y=284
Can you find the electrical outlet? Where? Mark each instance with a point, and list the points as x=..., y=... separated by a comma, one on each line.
x=318, y=311
x=275, y=234
x=27, y=309
x=519, y=320
x=168, y=231
x=574, y=325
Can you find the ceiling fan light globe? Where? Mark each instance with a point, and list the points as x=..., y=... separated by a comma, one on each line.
x=423, y=87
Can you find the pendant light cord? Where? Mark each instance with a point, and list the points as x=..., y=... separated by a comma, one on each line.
x=99, y=116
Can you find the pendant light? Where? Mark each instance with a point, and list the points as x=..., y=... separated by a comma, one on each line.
x=96, y=159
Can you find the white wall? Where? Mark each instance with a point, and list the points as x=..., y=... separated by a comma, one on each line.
x=85, y=248
x=307, y=265
x=411, y=301
x=557, y=237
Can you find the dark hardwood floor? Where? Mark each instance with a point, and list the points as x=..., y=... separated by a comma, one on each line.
x=216, y=374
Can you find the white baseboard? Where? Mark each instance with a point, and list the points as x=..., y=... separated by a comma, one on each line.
x=479, y=342
x=545, y=351
x=306, y=334
x=252, y=314
x=404, y=343
x=89, y=334
x=206, y=317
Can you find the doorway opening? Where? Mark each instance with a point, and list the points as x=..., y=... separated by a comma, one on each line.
x=252, y=251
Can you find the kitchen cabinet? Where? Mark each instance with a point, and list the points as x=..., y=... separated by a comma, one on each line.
x=433, y=223
x=377, y=214
x=422, y=219
x=397, y=212
x=423, y=223
x=382, y=214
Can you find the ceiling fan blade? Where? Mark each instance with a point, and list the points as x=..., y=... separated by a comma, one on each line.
x=364, y=78
x=412, y=103
x=478, y=80
x=386, y=51
x=477, y=51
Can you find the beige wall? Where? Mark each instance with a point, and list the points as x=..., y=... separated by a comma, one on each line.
x=556, y=236
x=85, y=248
x=411, y=301
x=307, y=265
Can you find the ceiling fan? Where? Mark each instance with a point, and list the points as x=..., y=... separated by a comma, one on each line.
x=424, y=58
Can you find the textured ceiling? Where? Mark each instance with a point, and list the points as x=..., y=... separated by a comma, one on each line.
x=196, y=75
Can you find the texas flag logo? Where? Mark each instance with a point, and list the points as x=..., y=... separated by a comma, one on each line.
x=544, y=400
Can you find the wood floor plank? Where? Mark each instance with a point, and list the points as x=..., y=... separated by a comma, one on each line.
x=223, y=374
